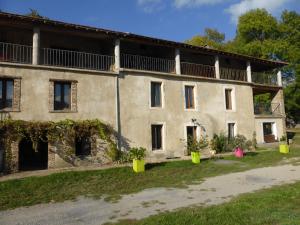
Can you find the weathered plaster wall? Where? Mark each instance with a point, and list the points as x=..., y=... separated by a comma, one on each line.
x=280, y=127
x=95, y=94
x=137, y=116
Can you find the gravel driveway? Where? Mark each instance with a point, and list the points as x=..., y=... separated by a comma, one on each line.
x=214, y=190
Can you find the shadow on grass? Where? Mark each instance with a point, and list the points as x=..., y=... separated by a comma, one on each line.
x=251, y=154
x=150, y=166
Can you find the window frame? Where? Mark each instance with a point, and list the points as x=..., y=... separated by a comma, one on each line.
x=3, y=106
x=195, y=98
x=62, y=96
x=162, y=137
x=234, y=128
x=162, y=94
x=233, y=98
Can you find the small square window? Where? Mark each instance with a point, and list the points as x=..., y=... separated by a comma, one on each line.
x=62, y=95
x=189, y=97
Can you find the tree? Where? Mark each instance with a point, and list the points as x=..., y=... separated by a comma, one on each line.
x=34, y=13
x=212, y=38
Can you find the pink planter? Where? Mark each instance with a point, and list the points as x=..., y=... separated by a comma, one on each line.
x=239, y=153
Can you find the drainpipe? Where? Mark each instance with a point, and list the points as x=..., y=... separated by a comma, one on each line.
x=117, y=92
x=35, y=46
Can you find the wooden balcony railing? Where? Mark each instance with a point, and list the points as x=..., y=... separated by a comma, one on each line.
x=267, y=78
x=15, y=53
x=233, y=74
x=198, y=70
x=138, y=62
x=74, y=59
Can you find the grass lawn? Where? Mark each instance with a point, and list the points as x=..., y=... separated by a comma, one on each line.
x=275, y=206
x=118, y=181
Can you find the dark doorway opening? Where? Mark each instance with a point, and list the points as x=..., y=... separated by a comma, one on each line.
x=268, y=133
x=83, y=146
x=30, y=158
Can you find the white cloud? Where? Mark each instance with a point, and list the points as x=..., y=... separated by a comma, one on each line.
x=150, y=6
x=240, y=8
x=192, y=3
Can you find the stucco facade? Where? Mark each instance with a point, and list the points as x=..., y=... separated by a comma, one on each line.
x=109, y=77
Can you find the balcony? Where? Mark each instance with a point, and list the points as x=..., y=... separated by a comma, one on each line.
x=138, y=62
x=74, y=59
x=266, y=78
x=267, y=109
x=233, y=74
x=15, y=53
x=198, y=70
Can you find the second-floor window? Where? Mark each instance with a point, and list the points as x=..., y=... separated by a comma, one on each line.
x=62, y=95
x=228, y=99
x=156, y=94
x=189, y=97
x=6, y=93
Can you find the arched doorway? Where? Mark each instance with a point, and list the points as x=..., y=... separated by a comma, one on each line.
x=31, y=159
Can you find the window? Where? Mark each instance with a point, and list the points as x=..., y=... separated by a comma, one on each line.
x=231, y=132
x=228, y=99
x=191, y=132
x=82, y=146
x=189, y=97
x=6, y=93
x=62, y=95
x=156, y=137
x=155, y=94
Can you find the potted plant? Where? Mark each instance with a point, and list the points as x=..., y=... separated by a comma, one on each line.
x=239, y=143
x=283, y=146
x=137, y=155
x=194, y=147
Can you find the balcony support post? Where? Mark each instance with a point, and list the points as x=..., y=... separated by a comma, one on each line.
x=217, y=67
x=279, y=78
x=35, y=46
x=177, y=61
x=117, y=56
x=249, y=76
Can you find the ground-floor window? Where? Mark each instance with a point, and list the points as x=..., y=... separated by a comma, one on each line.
x=191, y=132
x=83, y=146
x=157, y=140
x=231, y=130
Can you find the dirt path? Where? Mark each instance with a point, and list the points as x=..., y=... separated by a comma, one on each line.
x=213, y=190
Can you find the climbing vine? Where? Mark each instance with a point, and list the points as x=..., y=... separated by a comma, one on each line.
x=64, y=130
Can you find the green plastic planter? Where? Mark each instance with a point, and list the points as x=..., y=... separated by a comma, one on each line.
x=284, y=148
x=195, y=157
x=138, y=165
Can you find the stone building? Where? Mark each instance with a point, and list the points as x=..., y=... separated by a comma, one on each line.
x=153, y=92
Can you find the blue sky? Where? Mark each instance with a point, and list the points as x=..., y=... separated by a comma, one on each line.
x=176, y=20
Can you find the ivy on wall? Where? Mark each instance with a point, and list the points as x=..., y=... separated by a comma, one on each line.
x=61, y=131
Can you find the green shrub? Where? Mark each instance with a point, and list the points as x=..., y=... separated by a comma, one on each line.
x=196, y=146
x=137, y=153
x=254, y=141
x=219, y=143
x=124, y=157
x=238, y=141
